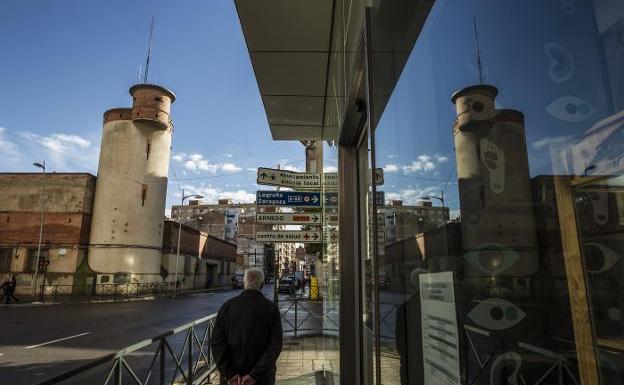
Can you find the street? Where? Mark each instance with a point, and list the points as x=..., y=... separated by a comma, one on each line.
x=41, y=341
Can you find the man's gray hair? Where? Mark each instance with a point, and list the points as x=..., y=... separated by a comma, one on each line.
x=253, y=279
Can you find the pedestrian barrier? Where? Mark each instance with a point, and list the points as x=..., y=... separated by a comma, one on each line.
x=179, y=356
x=59, y=293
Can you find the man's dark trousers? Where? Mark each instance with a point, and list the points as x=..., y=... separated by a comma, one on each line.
x=247, y=338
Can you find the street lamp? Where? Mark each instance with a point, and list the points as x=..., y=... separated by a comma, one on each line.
x=430, y=197
x=184, y=197
x=43, y=201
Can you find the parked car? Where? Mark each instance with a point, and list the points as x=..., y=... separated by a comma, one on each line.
x=286, y=285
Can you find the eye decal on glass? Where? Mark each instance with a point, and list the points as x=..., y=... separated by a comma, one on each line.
x=492, y=258
x=505, y=369
x=561, y=63
x=600, y=207
x=599, y=258
x=570, y=109
x=496, y=314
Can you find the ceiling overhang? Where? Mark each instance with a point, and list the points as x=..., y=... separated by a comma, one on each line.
x=289, y=44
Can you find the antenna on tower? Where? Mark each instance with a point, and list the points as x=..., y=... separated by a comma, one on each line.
x=478, y=51
x=149, y=52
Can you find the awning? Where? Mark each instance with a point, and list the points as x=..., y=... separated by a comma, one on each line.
x=289, y=43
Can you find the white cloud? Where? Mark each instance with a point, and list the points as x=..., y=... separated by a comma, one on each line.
x=197, y=163
x=59, y=142
x=411, y=196
x=212, y=194
x=292, y=167
x=330, y=168
x=67, y=152
x=286, y=164
x=423, y=163
x=230, y=167
x=6, y=146
x=550, y=141
x=419, y=166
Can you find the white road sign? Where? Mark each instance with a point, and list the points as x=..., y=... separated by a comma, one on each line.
x=285, y=178
x=288, y=236
x=287, y=218
x=330, y=179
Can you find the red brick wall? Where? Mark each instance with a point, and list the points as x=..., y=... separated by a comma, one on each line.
x=59, y=228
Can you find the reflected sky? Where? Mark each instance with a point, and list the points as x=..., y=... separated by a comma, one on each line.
x=553, y=61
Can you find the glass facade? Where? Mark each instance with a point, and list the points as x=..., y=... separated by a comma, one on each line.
x=509, y=114
x=490, y=252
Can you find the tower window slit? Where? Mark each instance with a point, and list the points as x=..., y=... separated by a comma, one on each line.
x=143, y=194
x=148, y=148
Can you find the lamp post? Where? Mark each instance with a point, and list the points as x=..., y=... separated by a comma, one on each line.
x=184, y=197
x=43, y=202
x=430, y=197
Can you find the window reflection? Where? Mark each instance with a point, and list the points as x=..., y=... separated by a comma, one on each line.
x=532, y=220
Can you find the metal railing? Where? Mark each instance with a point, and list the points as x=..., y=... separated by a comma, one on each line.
x=56, y=293
x=192, y=364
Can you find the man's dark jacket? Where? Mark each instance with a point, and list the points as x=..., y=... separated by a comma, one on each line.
x=247, y=338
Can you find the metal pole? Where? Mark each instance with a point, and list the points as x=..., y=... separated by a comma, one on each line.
x=43, y=201
x=191, y=376
x=175, y=283
x=275, y=275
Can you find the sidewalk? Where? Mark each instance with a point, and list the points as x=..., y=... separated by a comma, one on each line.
x=306, y=360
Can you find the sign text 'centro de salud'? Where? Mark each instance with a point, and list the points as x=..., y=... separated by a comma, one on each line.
x=288, y=236
x=288, y=198
x=305, y=180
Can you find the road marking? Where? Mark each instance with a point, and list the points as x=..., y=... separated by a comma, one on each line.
x=53, y=341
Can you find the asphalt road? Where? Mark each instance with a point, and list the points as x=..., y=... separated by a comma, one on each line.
x=37, y=342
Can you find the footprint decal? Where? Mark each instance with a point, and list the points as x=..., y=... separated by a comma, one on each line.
x=570, y=109
x=494, y=160
x=561, y=62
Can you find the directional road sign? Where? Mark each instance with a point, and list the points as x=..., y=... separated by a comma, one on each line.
x=330, y=219
x=287, y=219
x=288, y=236
x=288, y=198
x=285, y=178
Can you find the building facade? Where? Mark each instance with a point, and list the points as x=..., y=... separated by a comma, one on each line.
x=235, y=222
x=65, y=232
x=513, y=111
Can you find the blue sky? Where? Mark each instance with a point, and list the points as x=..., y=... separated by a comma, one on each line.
x=66, y=62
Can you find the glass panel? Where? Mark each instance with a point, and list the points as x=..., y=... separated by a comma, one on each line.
x=503, y=205
x=329, y=263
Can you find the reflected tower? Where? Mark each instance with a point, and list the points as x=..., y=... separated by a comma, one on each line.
x=127, y=225
x=498, y=222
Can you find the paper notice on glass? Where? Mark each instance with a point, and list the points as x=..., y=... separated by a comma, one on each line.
x=439, y=329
